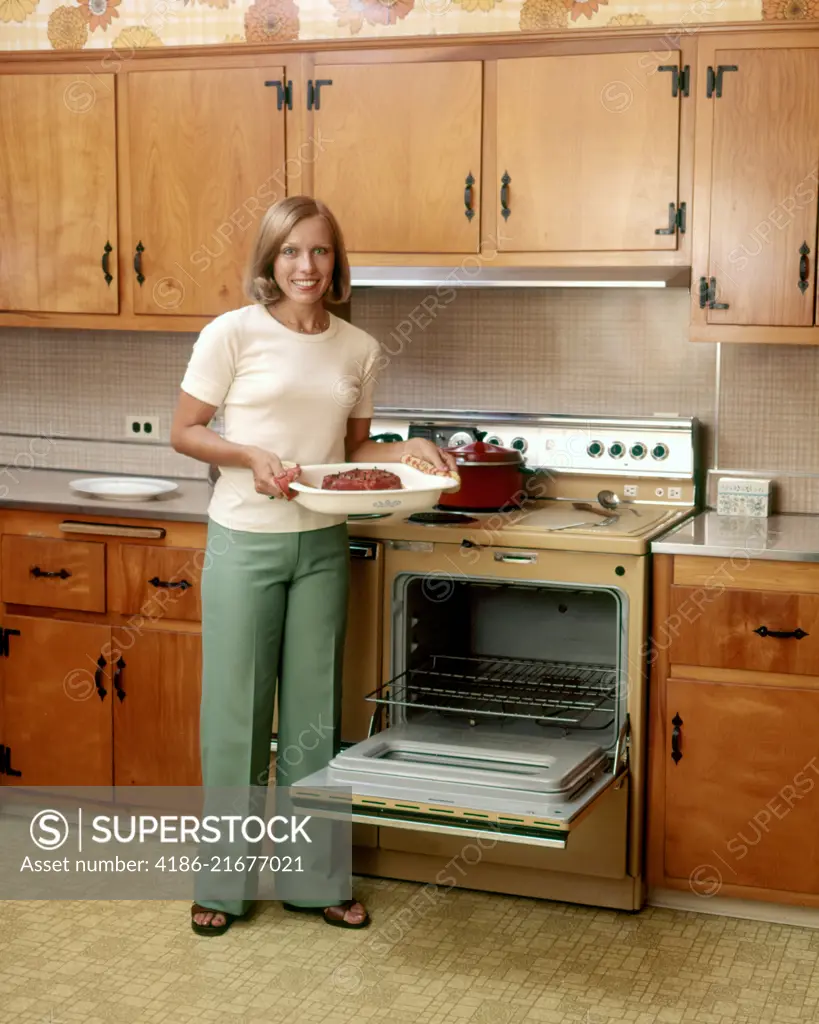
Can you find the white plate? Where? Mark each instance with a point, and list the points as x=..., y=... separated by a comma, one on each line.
x=123, y=488
x=420, y=491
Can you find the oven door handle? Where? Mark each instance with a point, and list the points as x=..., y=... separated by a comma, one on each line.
x=520, y=559
x=385, y=821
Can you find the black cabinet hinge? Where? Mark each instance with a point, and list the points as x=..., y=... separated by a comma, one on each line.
x=314, y=92
x=284, y=93
x=708, y=294
x=680, y=78
x=676, y=220
x=4, y=640
x=714, y=79
x=5, y=762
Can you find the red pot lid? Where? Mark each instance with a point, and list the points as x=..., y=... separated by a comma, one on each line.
x=481, y=451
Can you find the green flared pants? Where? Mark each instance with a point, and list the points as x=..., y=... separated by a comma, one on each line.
x=274, y=606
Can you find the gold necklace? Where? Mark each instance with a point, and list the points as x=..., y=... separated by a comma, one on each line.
x=295, y=326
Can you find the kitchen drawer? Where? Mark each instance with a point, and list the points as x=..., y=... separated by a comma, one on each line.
x=742, y=629
x=157, y=582
x=743, y=573
x=49, y=573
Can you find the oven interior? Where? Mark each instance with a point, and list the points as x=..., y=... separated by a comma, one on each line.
x=513, y=659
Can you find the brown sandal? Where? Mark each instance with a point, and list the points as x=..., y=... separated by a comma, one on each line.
x=211, y=929
x=336, y=922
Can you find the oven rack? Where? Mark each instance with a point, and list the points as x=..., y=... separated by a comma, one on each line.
x=551, y=692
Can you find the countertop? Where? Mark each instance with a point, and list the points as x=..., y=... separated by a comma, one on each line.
x=47, y=490
x=784, y=538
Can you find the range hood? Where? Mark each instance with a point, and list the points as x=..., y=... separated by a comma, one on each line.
x=486, y=276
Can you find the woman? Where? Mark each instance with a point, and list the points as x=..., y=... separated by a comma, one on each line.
x=297, y=386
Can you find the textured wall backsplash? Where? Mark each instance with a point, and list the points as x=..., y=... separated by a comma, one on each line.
x=616, y=352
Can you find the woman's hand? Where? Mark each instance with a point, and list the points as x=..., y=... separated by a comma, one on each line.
x=424, y=449
x=269, y=476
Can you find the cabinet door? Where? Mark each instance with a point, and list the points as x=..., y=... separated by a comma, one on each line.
x=397, y=146
x=590, y=146
x=58, y=194
x=156, y=688
x=206, y=159
x=765, y=167
x=57, y=702
x=742, y=799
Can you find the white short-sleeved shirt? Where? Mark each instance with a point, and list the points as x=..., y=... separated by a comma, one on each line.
x=283, y=391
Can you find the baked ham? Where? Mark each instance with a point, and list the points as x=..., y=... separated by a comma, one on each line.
x=362, y=480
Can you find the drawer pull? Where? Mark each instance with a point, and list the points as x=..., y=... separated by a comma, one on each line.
x=120, y=665
x=112, y=529
x=181, y=585
x=676, y=753
x=780, y=634
x=101, y=691
x=62, y=574
x=522, y=559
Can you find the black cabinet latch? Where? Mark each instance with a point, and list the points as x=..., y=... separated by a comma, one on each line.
x=5, y=763
x=4, y=640
x=314, y=92
x=284, y=93
x=676, y=220
x=679, y=78
x=714, y=79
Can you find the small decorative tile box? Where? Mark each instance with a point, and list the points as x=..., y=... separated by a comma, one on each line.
x=743, y=497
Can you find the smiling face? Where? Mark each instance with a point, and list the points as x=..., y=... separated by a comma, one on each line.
x=303, y=267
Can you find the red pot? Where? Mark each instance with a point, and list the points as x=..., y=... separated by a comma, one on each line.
x=491, y=477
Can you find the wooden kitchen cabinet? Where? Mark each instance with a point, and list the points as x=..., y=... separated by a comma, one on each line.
x=58, y=193
x=733, y=779
x=756, y=183
x=742, y=785
x=206, y=156
x=588, y=152
x=397, y=154
x=156, y=691
x=56, y=693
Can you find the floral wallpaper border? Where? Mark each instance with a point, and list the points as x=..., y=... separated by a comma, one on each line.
x=132, y=24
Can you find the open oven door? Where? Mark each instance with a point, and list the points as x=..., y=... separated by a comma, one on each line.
x=525, y=791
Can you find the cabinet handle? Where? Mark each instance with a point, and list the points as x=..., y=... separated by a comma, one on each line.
x=101, y=691
x=469, y=213
x=676, y=753
x=704, y=293
x=781, y=634
x=672, y=219
x=284, y=93
x=181, y=585
x=140, y=249
x=804, y=267
x=712, y=303
x=504, y=195
x=106, y=252
x=515, y=559
x=39, y=573
x=120, y=665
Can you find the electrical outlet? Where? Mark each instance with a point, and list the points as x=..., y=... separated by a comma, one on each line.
x=675, y=493
x=143, y=428
x=630, y=491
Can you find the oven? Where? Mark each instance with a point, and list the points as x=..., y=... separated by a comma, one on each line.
x=506, y=744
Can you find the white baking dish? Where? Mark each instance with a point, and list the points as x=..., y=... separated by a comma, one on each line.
x=420, y=490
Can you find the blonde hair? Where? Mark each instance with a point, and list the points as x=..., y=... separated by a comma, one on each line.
x=277, y=223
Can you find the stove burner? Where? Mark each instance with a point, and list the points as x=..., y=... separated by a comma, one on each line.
x=441, y=517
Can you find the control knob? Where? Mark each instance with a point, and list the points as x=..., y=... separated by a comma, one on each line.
x=617, y=450
x=595, y=449
x=659, y=451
